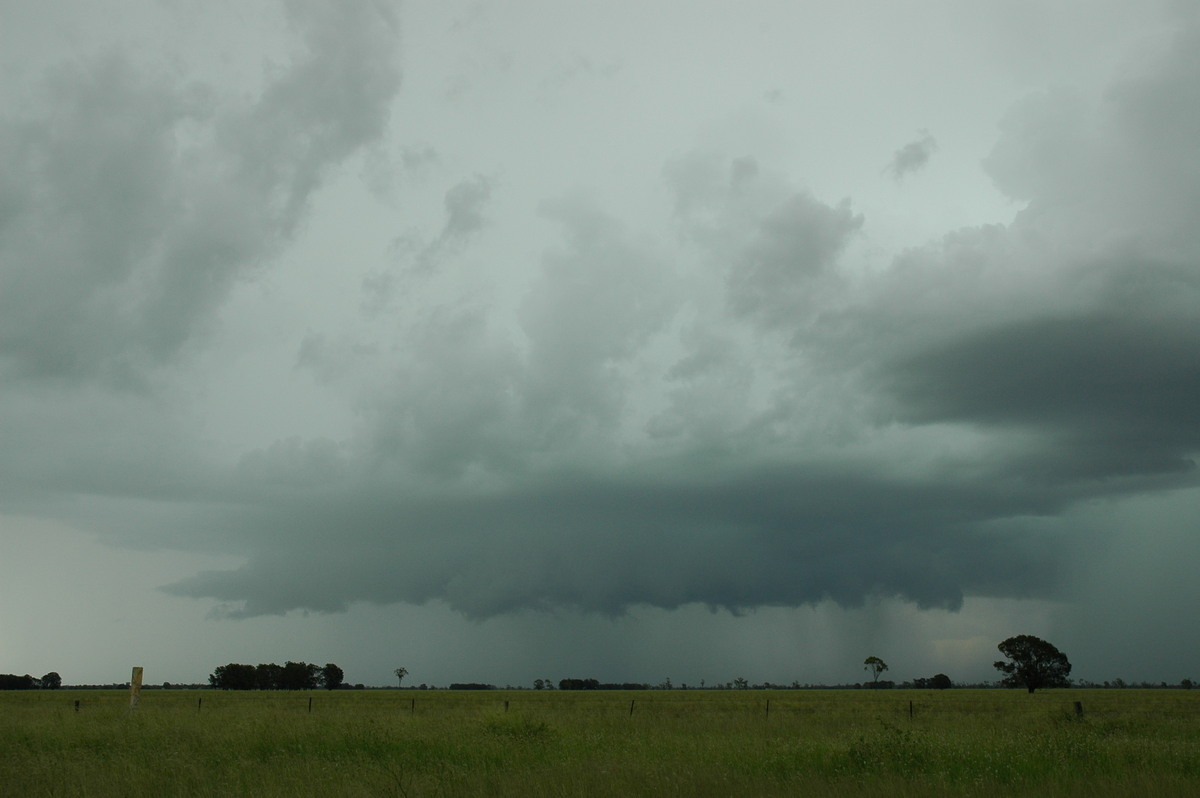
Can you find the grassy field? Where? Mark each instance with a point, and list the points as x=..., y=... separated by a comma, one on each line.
x=674, y=743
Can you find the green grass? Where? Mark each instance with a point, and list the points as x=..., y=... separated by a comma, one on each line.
x=675, y=743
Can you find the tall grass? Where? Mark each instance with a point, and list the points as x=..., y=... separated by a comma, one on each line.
x=673, y=743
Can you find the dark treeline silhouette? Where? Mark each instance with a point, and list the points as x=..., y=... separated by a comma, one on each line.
x=471, y=686
x=593, y=684
x=10, y=681
x=291, y=676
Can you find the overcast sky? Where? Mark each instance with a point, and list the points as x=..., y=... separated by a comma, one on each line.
x=627, y=340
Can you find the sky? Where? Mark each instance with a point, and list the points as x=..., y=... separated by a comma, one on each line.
x=519, y=340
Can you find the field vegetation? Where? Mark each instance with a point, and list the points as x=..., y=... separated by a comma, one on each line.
x=533, y=743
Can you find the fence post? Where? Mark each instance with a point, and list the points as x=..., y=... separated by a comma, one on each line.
x=768, y=708
x=1078, y=707
x=631, y=703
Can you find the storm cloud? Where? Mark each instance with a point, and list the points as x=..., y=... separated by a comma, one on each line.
x=556, y=371
x=1085, y=390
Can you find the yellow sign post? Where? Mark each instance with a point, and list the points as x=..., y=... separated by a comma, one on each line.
x=135, y=688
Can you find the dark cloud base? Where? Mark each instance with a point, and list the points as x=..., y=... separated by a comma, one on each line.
x=782, y=536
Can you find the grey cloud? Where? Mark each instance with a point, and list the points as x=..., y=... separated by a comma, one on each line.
x=465, y=203
x=470, y=394
x=799, y=240
x=469, y=391
x=133, y=203
x=912, y=156
x=1120, y=164
x=778, y=245
x=333, y=99
x=711, y=386
x=1074, y=325
x=702, y=183
x=1112, y=396
x=91, y=443
x=1000, y=379
x=599, y=300
x=89, y=191
x=1048, y=147
x=785, y=536
x=1075, y=371
x=384, y=172
x=464, y=207
x=451, y=403
x=1097, y=370
x=295, y=463
x=416, y=159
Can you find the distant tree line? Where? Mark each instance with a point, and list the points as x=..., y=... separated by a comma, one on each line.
x=10, y=681
x=290, y=676
x=593, y=684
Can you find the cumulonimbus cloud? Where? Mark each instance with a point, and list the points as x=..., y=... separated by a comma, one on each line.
x=719, y=413
x=993, y=378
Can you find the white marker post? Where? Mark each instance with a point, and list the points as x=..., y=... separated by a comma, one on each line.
x=135, y=688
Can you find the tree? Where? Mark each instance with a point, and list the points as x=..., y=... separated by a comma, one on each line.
x=938, y=682
x=51, y=681
x=1033, y=663
x=876, y=666
x=331, y=677
x=235, y=676
x=298, y=676
x=268, y=676
x=400, y=674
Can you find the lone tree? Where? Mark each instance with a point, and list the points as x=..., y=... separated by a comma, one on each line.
x=1033, y=663
x=876, y=666
x=400, y=674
